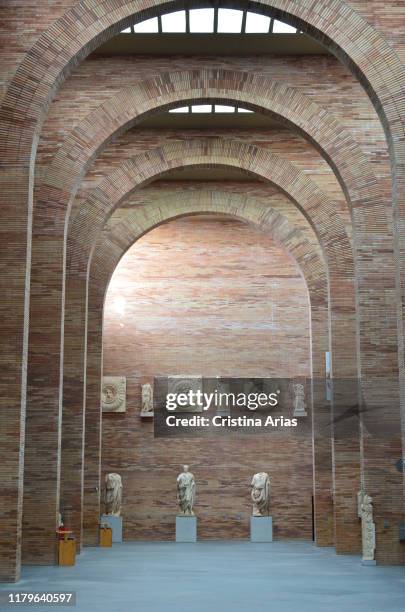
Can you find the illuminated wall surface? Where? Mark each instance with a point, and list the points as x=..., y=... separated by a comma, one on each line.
x=212, y=297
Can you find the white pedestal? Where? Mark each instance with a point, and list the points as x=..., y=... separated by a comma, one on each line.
x=261, y=528
x=146, y=415
x=115, y=522
x=186, y=529
x=369, y=562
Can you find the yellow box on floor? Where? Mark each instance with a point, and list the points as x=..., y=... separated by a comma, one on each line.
x=67, y=552
x=105, y=536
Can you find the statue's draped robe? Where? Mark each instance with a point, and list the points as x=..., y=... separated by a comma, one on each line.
x=113, y=495
x=260, y=493
x=186, y=492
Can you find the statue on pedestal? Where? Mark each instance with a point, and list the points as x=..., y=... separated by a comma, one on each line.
x=260, y=494
x=186, y=492
x=299, y=400
x=367, y=528
x=113, y=494
x=147, y=400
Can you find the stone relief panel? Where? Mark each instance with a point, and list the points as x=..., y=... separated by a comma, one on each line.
x=113, y=394
x=147, y=400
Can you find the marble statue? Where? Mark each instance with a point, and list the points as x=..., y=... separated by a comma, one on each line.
x=186, y=492
x=113, y=394
x=260, y=494
x=147, y=400
x=367, y=528
x=299, y=400
x=113, y=494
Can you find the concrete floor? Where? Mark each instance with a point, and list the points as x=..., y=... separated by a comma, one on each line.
x=219, y=577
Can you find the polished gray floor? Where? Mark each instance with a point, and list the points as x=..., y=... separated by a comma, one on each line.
x=220, y=577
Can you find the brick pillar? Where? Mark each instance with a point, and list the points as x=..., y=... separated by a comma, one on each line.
x=345, y=423
x=77, y=446
x=380, y=409
x=92, y=447
x=15, y=263
x=74, y=409
x=322, y=443
x=382, y=452
x=44, y=409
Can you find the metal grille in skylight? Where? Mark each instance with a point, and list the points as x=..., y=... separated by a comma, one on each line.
x=210, y=108
x=211, y=21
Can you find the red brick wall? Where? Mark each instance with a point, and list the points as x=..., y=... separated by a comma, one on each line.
x=22, y=24
x=213, y=297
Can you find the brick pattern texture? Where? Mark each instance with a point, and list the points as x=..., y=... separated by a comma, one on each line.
x=71, y=153
x=215, y=311
x=132, y=223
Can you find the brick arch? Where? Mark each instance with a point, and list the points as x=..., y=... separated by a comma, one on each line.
x=131, y=174
x=333, y=22
x=135, y=172
x=316, y=207
x=113, y=243
x=139, y=170
x=315, y=123
x=115, y=239
x=72, y=37
x=322, y=129
x=263, y=94
x=120, y=112
x=375, y=283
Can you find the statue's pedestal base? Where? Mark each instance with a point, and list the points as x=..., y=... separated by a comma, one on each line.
x=368, y=562
x=261, y=528
x=186, y=529
x=146, y=415
x=115, y=522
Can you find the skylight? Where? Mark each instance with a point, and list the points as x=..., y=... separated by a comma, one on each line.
x=211, y=21
x=229, y=21
x=257, y=24
x=283, y=28
x=220, y=108
x=181, y=109
x=174, y=22
x=209, y=108
x=202, y=20
x=201, y=108
x=147, y=27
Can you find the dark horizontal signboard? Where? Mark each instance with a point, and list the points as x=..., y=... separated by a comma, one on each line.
x=194, y=406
